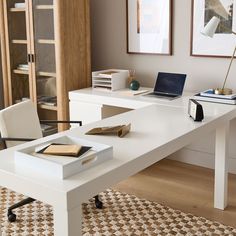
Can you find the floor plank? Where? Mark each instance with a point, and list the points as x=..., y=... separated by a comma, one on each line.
x=182, y=186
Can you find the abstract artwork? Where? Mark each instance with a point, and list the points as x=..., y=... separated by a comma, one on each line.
x=223, y=42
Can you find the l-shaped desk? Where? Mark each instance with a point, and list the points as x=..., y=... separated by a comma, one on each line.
x=158, y=130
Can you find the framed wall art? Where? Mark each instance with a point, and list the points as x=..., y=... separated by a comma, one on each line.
x=223, y=42
x=149, y=26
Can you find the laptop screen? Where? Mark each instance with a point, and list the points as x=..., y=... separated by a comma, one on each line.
x=170, y=83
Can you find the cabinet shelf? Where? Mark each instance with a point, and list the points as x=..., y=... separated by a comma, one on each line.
x=21, y=72
x=42, y=73
x=46, y=41
x=19, y=41
x=44, y=7
x=47, y=107
x=17, y=9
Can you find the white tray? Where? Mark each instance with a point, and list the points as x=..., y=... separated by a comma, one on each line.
x=61, y=166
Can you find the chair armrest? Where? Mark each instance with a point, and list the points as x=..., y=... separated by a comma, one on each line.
x=3, y=140
x=60, y=122
x=16, y=139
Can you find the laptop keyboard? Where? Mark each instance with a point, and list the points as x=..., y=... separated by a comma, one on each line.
x=160, y=95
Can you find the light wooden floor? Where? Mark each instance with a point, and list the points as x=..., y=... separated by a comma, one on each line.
x=182, y=186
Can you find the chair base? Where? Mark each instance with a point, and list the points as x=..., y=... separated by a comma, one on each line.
x=98, y=203
x=12, y=217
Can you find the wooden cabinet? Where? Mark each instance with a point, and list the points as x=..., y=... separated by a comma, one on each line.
x=45, y=52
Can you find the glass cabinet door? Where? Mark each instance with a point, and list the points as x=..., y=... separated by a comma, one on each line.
x=18, y=42
x=44, y=54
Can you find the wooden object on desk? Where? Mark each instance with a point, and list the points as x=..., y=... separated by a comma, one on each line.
x=43, y=36
x=119, y=130
x=63, y=149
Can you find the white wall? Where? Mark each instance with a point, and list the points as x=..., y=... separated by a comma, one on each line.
x=108, y=20
x=109, y=48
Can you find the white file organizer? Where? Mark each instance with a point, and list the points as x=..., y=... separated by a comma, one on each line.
x=114, y=81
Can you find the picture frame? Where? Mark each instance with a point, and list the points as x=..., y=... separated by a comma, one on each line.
x=223, y=42
x=149, y=27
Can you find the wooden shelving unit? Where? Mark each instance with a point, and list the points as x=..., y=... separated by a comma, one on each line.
x=46, y=28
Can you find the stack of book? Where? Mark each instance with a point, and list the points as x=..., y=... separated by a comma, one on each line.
x=48, y=129
x=210, y=96
x=23, y=67
x=47, y=100
x=19, y=5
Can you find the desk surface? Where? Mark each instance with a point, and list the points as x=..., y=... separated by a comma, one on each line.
x=121, y=99
x=156, y=132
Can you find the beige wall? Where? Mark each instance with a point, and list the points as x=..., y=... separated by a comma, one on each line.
x=108, y=19
x=109, y=48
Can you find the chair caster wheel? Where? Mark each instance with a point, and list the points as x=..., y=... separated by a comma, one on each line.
x=98, y=204
x=11, y=217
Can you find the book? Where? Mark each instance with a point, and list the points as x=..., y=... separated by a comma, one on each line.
x=58, y=149
x=210, y=93
x=199, y=97
x=49, y=103
x=45, y=127
x=23, y=67
x=119, y=130
x=63, y=149
x=47, y=100
x=133, y=92
x=19, y=5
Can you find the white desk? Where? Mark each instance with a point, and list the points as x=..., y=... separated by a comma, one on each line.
x=157, y=131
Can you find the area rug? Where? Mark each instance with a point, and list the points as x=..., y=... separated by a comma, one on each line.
x=123, y=214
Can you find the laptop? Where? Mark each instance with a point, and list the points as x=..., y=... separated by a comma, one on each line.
x=168, y=85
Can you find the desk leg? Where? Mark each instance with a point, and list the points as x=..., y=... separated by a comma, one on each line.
x=221, y=167
x=68, y=223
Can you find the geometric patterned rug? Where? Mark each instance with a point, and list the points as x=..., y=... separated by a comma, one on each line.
x=123, y=214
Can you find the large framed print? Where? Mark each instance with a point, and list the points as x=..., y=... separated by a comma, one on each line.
x=149, y=26
x=223, y=42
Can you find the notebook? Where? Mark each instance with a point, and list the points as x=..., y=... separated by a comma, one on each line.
x=168, y=85
x=59, y=149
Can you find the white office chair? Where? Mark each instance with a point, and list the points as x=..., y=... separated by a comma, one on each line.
x=20, y=123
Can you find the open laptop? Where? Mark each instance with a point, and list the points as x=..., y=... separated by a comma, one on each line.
x=168, y=85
